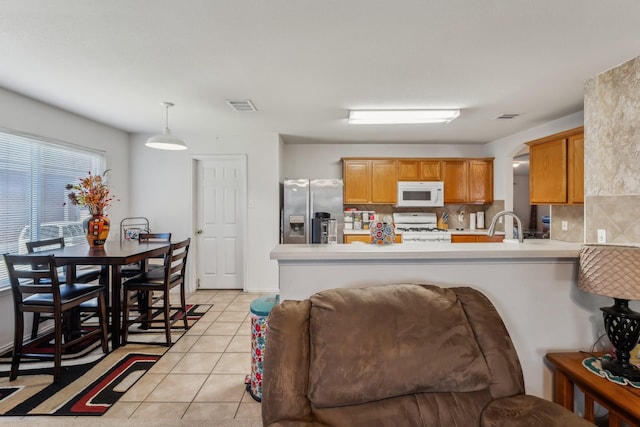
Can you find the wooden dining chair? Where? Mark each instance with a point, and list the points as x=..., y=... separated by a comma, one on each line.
x=161, y=282
x=139, y=267
x=83, y=275
x=36, y=289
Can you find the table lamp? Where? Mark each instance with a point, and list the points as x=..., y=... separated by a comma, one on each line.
x=614, y=271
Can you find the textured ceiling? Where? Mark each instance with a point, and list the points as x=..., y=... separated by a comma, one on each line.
x=305, y=63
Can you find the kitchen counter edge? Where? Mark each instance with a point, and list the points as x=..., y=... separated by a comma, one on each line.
x=540, y=249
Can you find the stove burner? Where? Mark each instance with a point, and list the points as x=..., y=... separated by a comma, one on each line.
x=421, y=229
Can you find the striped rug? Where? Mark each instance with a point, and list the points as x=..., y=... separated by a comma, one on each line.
x=91, y=381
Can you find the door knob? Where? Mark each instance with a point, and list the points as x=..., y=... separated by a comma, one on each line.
x=199, y=231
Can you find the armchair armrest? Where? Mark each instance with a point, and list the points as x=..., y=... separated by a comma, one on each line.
x=529, y=411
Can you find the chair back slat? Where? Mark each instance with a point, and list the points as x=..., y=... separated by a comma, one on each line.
x=44, y=245
x=176, y=262
x=154, y=237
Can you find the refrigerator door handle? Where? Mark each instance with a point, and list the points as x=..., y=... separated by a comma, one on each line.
x=309, y=215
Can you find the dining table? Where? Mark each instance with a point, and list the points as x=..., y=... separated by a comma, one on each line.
x=112, y=256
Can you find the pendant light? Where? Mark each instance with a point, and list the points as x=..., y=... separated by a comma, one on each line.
x=166, y=141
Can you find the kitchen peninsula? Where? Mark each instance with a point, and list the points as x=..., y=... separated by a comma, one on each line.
x=531, y=284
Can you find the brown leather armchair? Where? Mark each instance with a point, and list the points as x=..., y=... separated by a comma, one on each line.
x=397, y=355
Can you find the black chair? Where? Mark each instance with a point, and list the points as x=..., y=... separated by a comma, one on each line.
x=83, y=275
x=161, y=281
x=36, y=289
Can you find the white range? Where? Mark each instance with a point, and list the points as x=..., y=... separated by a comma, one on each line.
x=420, y=227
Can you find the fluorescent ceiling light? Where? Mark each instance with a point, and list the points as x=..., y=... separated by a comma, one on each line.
x=401, y=116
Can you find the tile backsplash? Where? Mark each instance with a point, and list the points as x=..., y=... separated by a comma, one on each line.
x=453, y=210
x=574, y=216
x=612, y=144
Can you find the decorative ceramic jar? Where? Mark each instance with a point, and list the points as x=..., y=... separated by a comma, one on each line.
x=96, y=229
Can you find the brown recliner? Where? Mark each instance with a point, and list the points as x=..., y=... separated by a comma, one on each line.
x=397, y=355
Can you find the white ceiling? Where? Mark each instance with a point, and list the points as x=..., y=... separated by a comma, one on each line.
x=305, y=63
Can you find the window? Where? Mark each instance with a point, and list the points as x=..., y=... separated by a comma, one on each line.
x=33, y=174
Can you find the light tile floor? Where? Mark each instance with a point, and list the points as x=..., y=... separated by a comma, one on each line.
x=202, y=375
x=200, y=380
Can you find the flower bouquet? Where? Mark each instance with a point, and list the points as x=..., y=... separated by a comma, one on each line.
x=94, y=193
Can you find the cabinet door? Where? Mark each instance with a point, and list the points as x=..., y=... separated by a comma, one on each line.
x=384, y=181
x=350, y=238
x=548, y=172
x=464, y=238
x=430, y=170
x=408, y=170
x=490, y=239
x=576, y=169
x=357, y=181
x=455, y=177
x=419, y=170
x=480, y=181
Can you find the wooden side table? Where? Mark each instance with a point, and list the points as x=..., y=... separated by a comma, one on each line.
x=622, y=401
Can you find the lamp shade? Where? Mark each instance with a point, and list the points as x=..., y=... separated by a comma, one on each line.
x=610, y=270
x=166, y=141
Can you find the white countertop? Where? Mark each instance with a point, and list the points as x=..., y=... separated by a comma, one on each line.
x=531, y=248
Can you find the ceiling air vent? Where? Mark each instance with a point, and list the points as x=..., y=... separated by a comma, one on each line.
x=241, y=105
x=507, y=116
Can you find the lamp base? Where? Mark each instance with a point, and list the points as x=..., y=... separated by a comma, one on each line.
x=628, y=371
x=623, y=329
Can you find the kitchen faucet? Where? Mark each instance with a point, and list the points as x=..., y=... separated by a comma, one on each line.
x=492, y=227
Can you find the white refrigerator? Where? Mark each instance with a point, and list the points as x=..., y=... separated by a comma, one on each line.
x=302, y=198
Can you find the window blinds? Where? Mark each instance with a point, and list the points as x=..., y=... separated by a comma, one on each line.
x=33, y=174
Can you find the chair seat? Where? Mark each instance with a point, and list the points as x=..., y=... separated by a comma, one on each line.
x=67, y=293
x=151, y=285
x=152, y=276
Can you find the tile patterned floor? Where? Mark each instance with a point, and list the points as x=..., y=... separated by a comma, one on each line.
x=200, y=380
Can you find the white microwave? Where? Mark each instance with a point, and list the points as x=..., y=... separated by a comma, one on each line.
x=420, y=194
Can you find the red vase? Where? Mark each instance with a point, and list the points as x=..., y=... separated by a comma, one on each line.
x=96, y=229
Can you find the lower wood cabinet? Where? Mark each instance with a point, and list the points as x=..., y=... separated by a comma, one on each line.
x=475, y=238
x=350, y=238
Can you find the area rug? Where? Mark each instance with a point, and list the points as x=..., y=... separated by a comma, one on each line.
x=91, y=381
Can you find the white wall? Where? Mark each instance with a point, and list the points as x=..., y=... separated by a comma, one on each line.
x=323, y=160
x=162, y=191
x=26, y=115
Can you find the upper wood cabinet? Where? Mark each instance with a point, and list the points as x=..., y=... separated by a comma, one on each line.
x=575, y=156
x=356, y=175
x=369, y=181
x=468, y=181
x=419, y=170
x=556, y=168
x=374, y=180
x=384, y=179
x=455, y=177
x=480, y=181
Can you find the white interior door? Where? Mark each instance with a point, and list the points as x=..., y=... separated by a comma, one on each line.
x=221, y=213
